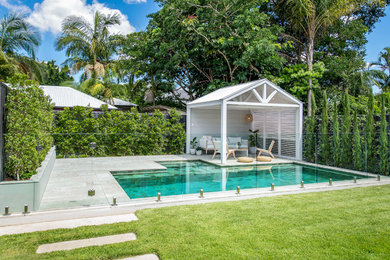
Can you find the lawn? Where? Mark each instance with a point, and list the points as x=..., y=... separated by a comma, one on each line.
x=346, y=224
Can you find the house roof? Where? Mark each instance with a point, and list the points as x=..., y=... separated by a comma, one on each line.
x=70, y=97
x=123, y=103
x=228, y=93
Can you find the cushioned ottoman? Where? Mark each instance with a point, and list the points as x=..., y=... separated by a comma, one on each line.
x=263, y=159
x=245, y=159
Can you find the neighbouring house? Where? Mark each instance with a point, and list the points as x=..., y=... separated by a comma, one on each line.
x=228, y=113
x=122, y=104
x=63, y=97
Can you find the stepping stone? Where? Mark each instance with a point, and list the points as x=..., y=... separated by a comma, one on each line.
x=97, y=241
x=71, y=223
x=143, y=257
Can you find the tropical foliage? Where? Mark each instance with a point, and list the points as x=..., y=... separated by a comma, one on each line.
x=90, y=47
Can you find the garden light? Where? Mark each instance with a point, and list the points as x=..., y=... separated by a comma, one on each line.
x=272, y=187
x=159, y=196
x=354, y=179
x=6, y=210
x=201, y=193
x=238, y=189
x=302, y=184
x=114, y=201
x=330, y=182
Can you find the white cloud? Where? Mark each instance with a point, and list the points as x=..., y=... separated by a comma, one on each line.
x=134, y=1
x=18, y=7
x=48, y=15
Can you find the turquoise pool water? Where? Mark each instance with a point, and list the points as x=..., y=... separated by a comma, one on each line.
x=186, y=177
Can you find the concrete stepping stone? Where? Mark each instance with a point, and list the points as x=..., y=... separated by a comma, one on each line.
x=71, y=223
x=97, y=241
x=143, y=257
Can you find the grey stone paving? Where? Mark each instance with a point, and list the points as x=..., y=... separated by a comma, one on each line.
x=72, y=178
x=97, y=241
x=70, y=223
x=143, y=257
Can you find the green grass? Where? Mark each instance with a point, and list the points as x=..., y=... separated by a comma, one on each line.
x=345, y=224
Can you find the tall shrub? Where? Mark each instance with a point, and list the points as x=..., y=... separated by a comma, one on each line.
x=117, y=133
x=325, y=146
x=336, y=137
x=383, y=142
x=28, y=126
x=311, y=138
x=370, y=134
x=346, y=133
x=357, y=147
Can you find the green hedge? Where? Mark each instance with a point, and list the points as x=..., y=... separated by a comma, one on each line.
x=117, y=133
x=29, y=124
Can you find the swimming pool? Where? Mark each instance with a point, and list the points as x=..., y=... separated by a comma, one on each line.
x=187, y=177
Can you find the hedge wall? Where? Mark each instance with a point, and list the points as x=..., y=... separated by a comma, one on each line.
x=117, y=133
x=29, y=125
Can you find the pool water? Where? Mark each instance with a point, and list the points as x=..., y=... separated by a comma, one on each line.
x=186, y=177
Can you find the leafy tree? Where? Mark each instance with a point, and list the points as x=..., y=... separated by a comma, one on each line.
x=384, y=142
x=325, y=145
x=310, y=19
x=336, y=137
x=90, y=47
x=294, y=78
x=199, y=46
x=346, y=132
x=56, y=76
x=311, y=137
x=357, y=146
x=370, y=134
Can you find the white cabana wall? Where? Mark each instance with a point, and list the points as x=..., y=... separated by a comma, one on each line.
x=276, y=114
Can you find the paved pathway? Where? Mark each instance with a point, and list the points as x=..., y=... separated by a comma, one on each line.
x=97, y=241
x=143, y=257
x=70, y=223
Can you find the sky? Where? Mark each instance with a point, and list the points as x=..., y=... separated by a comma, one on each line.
x=47, y=16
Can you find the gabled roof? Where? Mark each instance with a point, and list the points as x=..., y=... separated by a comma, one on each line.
x=69, y=97
x=120, y=102
x=228, y=93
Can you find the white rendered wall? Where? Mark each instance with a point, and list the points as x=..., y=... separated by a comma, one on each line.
x=208, y=122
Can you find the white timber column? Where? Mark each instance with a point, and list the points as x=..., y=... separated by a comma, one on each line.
x=223, y=131
x=224, y=179
x=188, y=140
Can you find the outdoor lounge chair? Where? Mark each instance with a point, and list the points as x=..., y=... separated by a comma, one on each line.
x=269, y=151
x=217, y=150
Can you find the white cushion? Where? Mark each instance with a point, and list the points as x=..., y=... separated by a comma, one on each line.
x=234, y=140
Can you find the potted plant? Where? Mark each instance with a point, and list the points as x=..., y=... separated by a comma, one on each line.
x=198, y=150
x=193, y=145
x=253, y=141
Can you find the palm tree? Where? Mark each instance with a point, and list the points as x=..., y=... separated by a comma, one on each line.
x=310, y=18
x=381, y=76
x=17, y=35
x=89, y=47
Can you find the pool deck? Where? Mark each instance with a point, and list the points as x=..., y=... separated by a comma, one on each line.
x=72, y=178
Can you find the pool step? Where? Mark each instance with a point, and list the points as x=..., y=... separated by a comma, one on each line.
x=97, y=241
x=70, y=223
